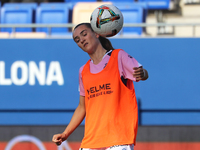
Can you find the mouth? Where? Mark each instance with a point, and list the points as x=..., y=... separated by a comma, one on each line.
x=85, y=44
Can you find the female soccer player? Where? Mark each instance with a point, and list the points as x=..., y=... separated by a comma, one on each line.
x=107, y=96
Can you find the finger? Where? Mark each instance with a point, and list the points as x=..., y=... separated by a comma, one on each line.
x=56, y=139
x=140, y=74
x=135, y=68
x=138, y=79
x=138, y=70
x=58, y=143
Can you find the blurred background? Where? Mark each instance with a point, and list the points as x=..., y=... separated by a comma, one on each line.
x=39, y=64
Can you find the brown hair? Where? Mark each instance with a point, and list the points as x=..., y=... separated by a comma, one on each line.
x=104, y=41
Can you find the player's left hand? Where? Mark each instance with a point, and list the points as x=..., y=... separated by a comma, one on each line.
x=140, y=73
x=59, y=138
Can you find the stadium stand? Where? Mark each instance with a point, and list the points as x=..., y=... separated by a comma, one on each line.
x=192, y=2
x=129, y=3
x=17, y=13
x=157, y=4
x=132, y=13
x=30, y=35
x=182, y=13
x=118, y=1
x=126, y=6
x=30, y=5
x=53, y=13
x=82, y=11
x=145, y=10
x=80, y=1
x=72, y=3
x=154, y=11
x=4, y=35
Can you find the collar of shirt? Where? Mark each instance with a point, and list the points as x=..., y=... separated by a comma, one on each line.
x=104, y=55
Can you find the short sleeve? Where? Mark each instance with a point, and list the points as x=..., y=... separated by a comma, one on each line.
x=81, y=87
x=126, y=64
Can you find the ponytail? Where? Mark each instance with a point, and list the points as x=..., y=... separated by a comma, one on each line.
x=106, y=43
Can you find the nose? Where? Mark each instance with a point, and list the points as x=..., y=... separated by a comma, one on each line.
x=82, y=40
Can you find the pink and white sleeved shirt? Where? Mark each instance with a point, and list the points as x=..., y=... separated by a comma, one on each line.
x=126, y=63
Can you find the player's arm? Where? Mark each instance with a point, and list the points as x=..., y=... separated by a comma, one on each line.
x=76, y=119
x=130, y=68
x=140, y=73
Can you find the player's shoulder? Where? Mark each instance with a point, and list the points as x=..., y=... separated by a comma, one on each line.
x=81, y=69
x=121, y=51
x=123, y=54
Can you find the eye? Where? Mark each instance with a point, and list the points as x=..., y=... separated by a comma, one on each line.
x=84, y=33
x=77, y=40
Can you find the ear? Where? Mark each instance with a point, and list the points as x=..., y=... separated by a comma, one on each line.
x=97, y=35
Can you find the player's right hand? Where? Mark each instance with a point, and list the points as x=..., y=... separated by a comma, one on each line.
x=58, y=138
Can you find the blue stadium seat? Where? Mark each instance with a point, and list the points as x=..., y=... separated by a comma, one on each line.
x=72, y=3
x=15, y=13
x=157, y=4
x=132, y=14
x=118, y=1
x=80, y=0
x=130, y=4
x=53, y=13
x=31, y=5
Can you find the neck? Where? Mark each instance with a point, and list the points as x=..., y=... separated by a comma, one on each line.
x=98, y=55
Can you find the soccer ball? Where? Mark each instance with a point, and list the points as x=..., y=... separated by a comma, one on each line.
x=106, y=20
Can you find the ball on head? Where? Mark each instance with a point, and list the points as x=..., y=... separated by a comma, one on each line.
x=106, y=20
